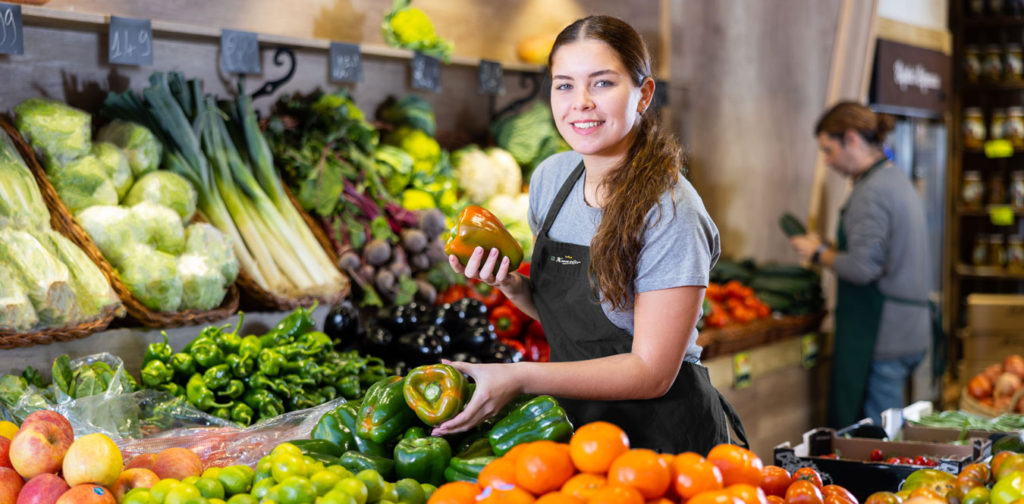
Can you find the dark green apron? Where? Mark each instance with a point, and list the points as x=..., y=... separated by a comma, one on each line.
x=691, y=416
x=857, y=318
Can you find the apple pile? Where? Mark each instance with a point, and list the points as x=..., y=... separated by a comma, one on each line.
x=997, y=385
x=43, y=463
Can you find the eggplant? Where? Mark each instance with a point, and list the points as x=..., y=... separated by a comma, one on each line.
x=442, y=335
x=399, y=319
x=447, y=317
x=418, y=348
x=470, y=308
x=503, y=353
x=342, y=325
x=401, y=368
x=475, y=339
x=379, y=342
x=465, y=357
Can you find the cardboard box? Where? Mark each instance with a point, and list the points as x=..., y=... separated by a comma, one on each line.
x=857, y=474
x=995, y=312
x=896, y=422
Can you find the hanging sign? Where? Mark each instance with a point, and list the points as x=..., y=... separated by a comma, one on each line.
x=741, y=370
x=490, y=78
x=911, y=77
x=239, y=52
x=346, y=62
x=130, y=41
x=11, y=40
x=426, y=72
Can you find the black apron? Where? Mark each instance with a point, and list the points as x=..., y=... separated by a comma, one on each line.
x=857, y=318
x=691, y=416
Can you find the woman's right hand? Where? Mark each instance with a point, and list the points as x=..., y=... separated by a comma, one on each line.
x=496, y=385
x=487, y=268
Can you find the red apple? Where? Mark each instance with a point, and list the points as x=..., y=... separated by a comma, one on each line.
x=87, y=494
x=144, y=461
x=133, y=478
x=40, y=444
x=5, y=448
x=177, y=463
x=45, y=488
x=93, y=458
x=10, y=485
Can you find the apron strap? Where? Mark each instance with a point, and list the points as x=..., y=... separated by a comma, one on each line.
x=563, y=194
x=734, y=421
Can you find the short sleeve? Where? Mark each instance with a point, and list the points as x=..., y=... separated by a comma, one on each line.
x=681, y=244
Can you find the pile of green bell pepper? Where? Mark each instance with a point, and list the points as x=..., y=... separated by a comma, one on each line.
x=245, y=379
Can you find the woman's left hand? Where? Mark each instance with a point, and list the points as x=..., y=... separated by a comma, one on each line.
x=495, y=387
x=805, y=245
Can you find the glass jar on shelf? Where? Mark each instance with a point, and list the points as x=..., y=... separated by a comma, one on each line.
x=972, y=192
x=997, y=130
x=974, y=128
x=1014, y=69
x=996, y=189
x=972, y=63
x=1014, y=129
x=979, y=253
x=976, y=7
x=996, y=250
x=1015, y=254
x=996, y=7
x=1017, y=190
x=992, y=63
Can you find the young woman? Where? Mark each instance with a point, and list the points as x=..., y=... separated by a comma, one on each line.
x=623, y=252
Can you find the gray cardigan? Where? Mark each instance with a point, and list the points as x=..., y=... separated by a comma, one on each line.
x=887, y=243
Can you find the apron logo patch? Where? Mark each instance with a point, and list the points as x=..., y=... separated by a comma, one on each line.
x=565, y=260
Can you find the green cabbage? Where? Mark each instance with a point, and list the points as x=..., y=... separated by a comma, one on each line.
x=56, y=130
x=530, y=136
x=46, y=280
x=83, y=183
x=165, y=188
x=16, y=312
x=202, y=284
x=115, y=164
x=92, y=289
x=21, y=203
x=114, y=230
x=160, y=227
x=205, y=240
x=152, y=277
x=140, y=145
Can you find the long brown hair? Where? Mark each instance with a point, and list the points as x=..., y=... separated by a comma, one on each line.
x=651, y=167
x=847, y=115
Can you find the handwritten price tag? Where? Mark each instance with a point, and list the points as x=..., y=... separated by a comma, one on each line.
x=130, y=41
x=239, y=52
x=11, y=40
x=998, y=149
x=346, y=63
x=426, y=72
x=490, y=78
x=1001, y=215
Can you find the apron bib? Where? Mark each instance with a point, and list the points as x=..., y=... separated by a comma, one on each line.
x=691, y=416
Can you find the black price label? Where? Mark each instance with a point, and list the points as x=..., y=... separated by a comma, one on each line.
x=130, y=41
x=11, y=41
x=490, y=78
x=660, y=98
x=426, y=72
x=346, y=63
x=239, y=52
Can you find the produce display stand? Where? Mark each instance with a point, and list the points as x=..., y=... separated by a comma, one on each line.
x=736, y=338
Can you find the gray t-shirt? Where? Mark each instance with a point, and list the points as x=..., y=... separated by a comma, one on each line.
x=681, y=243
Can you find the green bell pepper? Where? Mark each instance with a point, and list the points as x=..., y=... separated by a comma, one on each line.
x=384, y=414
x=355, y=462
x=155, y=372
x=539, y=419
x=423, y=459
x=217, y=377
x=183, y=364
x=250, y=346
x=435, y=393
x=242, y=414
x=207, y=355
x=414, y=432
x=461, y=469
x=158, y=351
x=480, y=447
x=241, y=365
x=270, y=362
x=233, y=390
x=331, y=427
x=318, y=446
x=199, y=395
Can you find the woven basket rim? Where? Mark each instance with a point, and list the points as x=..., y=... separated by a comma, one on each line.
x=14, y=339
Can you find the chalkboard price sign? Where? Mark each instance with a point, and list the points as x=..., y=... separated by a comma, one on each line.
x=346, y=62
x=11, y=40
x=130, y=41
x=490, y=77
x=239, y=52
x=426, y=72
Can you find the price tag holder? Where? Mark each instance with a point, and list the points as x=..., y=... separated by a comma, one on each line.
x=239, y=52
x=660, y=98
x=998, y=149
x=809, y=350
x=426, y=72
x=346, y=62
x=1001, y=215
x=490, y=78
x=741, y=370
x=130, y=41
x=11, y=39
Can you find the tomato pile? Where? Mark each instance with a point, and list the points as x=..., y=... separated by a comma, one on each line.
x=598, y=466
x=733, y=302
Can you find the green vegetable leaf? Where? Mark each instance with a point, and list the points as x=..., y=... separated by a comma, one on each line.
x=87, y=383
x=63, y=377
x=32, y=377
x=406, y=290
x=381, y=230
x=11, y=389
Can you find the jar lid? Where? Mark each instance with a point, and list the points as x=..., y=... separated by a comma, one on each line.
x=973, y=175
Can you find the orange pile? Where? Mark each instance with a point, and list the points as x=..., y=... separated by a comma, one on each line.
x=597, y=466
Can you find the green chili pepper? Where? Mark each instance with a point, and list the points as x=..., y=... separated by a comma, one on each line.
x=315, y=342
x=270, y=362
x=265, y=402
x=199, y=395
x=233, y=390
x=158, y=351
x=302, y=401
x=173, y=388
x=207, y=355
x=250, y=346
x=183, y=364
x=350, y=387
x=155, y=372
x=207, y=335
x=222, y=412
x=241, y=365
x=230, y=342
x=241, y=414
x=423, y=459
x=217, y=377
x=296, y=323
x=328, y=392
x=305, y=368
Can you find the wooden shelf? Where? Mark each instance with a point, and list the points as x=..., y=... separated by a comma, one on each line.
x=982, y=212
x=995, y=86
x=991, y=272
x=55, y=18
x=994, y=22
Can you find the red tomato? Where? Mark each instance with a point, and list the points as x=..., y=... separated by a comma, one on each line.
x=876, y=455
x=775, y=480
x=803, y=491
x=807, y=474
x=843, y=495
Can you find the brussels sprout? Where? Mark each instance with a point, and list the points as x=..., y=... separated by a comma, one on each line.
x=160, y=227
x=205, y=240
x=165, y=188
x=202, y=285
x=113, y=228
x=140, y=145
x=152, y=277
x=83, y=183
x=115, y=164
x=58, y=131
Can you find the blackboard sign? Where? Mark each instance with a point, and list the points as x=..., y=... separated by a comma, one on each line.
x=11, y=41
x=130, y=41
x=346, y=63
x=490, y=78
x=660, y=98
x=239, y=52
x=426, y=72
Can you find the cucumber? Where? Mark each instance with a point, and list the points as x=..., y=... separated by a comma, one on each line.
x=791, y=225
x=784, y=270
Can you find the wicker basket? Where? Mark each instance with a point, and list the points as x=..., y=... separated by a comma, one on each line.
x=62, y=221
x=737, y=338
x=971, y=405
x=12, y=339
